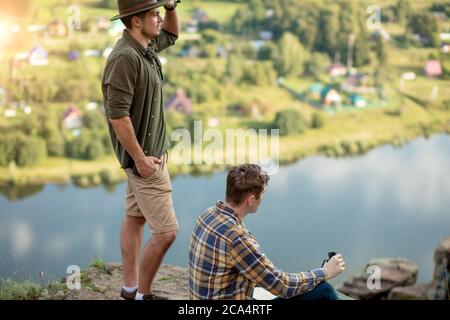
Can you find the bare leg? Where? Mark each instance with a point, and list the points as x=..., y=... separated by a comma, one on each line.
x=153, y=254
x=130, y=245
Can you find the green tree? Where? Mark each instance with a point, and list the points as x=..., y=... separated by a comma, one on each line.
x=292, y=56
x=30, y=151
x=318, y=120
x=403, y=11
x=306, y=26
x=327, y=40
x=110, y=4
x=234, y=69
x=7, y=149
x=174, y=120
x=361, y=53
x=289, y=121
x=211, y=36
x=89, y=145
x=259, y=74
x=380, y=49
x=425, y=24
x=268, y=51
x=94, y=120
x=21, y=149
x=316, y=64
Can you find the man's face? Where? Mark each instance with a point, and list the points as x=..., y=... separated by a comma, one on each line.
x=151, y=24
x=253, y=203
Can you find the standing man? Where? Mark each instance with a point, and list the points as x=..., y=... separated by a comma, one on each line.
x=132, y=92
x=226, y=261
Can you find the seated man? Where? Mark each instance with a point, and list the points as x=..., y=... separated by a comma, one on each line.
x=226, y=261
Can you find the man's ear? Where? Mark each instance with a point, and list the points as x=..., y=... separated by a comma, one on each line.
x=136, y=21
x=250, y=199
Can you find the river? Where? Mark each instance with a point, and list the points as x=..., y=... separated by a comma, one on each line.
x=390, y=202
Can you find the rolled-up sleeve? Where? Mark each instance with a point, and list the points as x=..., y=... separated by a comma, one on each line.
x=165, y=40
x=120, y=82
x=249, y=259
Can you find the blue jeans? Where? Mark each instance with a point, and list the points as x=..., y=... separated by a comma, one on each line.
x=324, y=291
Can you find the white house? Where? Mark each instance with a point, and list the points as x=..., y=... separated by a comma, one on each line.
x=72, y=119
x=38, y=56
x=337, y=70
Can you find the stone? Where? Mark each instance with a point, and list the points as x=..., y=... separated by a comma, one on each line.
x=421, y=292
x=395, y=272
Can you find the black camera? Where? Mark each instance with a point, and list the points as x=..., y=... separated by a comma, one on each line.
x=331, y=254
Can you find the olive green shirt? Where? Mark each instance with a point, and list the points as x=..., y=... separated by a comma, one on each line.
x=132, y=86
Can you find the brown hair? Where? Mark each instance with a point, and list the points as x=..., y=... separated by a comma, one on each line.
x=127, y=20
x=244, y=180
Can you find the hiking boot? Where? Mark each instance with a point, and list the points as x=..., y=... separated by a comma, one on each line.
x=152, y=296
x=128, y=295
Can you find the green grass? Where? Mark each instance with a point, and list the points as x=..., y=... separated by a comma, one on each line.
x=99, y=264
x=59, y=170
x=218, y=10
x=26, y=290
x=29, y=290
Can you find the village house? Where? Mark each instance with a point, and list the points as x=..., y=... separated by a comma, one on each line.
x=73, y=55
x=381, y=33
x=266, y=35
x=200, y=16
x=330, y=97
x=57, y=28
x=38, y=56
x=337, y=70
x=91, y=53
x=357, y=79
x=358, y=101
x=72, y=118
x=190, y=51
x=103, y=24
x=433, y=68
x=91, y=106
x=314, y=91
x=179, y=102
x=408, y=76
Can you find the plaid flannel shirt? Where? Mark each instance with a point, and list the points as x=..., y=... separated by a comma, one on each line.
x=226, y=262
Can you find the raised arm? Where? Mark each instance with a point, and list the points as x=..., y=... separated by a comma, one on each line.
x=171, y=21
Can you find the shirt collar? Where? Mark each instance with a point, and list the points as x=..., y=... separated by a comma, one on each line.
x=222, y=208
x=134, y=43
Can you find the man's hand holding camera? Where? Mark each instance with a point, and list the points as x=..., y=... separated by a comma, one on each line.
x=334, y=266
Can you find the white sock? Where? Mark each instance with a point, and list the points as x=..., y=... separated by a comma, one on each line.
x=130, y=289
x=139, y=296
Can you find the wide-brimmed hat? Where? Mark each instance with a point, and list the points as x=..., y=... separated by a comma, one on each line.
x=129, y=7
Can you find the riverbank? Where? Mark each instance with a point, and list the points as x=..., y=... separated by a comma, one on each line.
x=344, y=134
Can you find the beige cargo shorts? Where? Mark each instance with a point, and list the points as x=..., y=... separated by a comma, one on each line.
x=151, y=198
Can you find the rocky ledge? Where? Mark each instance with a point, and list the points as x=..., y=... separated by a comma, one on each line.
x=397, y=281
x=105, y=283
